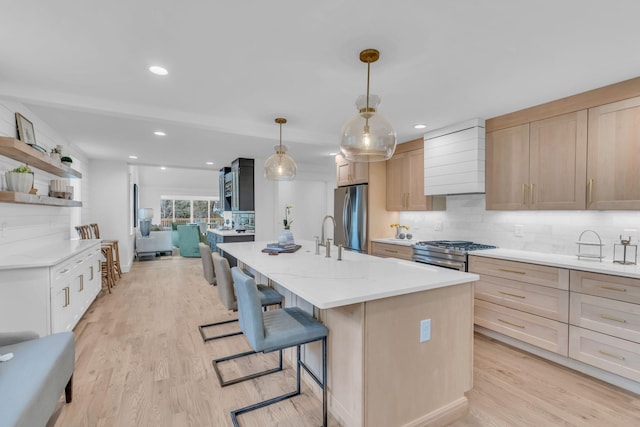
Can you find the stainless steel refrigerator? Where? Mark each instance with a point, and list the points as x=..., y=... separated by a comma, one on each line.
x=350, y=213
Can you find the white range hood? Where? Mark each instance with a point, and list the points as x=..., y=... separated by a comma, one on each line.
x=454, y=159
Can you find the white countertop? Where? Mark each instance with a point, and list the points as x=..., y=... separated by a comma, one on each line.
x=231, y=232
x=401, y=242
x=563, y=261
x=46, y=255
x=327, y=282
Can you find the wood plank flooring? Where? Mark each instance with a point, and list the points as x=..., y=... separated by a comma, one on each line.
x=140, y=361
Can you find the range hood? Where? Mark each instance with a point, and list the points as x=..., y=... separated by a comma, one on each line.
x=454, y=158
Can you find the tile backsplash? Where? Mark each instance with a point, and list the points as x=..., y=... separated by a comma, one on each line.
x=542, y=231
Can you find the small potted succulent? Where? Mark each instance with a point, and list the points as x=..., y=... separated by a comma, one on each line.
x=19, y=179
x=66, y=160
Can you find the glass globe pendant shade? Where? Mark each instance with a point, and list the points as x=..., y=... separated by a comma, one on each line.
x=280, y=166
x=368, y=137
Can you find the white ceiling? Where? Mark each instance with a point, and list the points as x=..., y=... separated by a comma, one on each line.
x=81, y=66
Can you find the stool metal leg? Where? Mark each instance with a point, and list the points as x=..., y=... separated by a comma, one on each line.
x=224, y=383
x=205, y=338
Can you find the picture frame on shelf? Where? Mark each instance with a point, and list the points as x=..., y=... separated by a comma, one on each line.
x=26, y=133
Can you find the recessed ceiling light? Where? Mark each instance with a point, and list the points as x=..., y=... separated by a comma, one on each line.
x=332, y=154
x=159, y=133
x=163, y=168
x=419, y=126
x=156, y=69
x=133, y=157
x=209, y=163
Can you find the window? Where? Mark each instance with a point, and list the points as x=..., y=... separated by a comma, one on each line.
x=186, y=209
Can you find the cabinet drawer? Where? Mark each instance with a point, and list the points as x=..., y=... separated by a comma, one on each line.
x=523, y=272
x=535, y=330
x=620, y=319
x=604, y=285
x=534, y=299
x=612, y=354
x=386, y=250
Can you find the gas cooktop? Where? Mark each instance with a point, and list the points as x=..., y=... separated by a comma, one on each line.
x=460, y=245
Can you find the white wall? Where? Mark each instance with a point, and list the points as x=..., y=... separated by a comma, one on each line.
x=544, y=231
x=110, y=201
x=22, y=226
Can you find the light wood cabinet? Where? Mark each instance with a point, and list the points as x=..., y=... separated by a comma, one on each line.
x=405, y=179
x=351, y=173
x=389, y=250
x=612, y=167
x=538, y=165
x=524, y=301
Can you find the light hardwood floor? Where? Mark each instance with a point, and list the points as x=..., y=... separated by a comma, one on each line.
x=140, y=361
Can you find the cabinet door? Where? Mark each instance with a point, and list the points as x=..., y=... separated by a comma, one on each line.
x=558, y=162
x=416, y=200
x=612, y=166
x=396, y=193
x=343, y=171
x=507, y=168
x=359, y=172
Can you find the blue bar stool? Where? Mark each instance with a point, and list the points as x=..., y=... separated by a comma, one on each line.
x=275, y=330
x=268, y=296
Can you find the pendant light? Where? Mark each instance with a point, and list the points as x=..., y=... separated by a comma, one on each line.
x=368, y=136
x=280, y=166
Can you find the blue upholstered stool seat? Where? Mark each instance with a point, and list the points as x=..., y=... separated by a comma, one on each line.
x=269, y=296
x=289, y=327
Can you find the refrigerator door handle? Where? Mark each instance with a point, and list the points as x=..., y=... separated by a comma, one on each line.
x=346, y=213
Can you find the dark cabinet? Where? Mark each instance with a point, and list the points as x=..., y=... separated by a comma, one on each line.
x=225, y=182
x=242, y=198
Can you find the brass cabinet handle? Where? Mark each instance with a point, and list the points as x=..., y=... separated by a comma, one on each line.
x=615, y=356
x=66, y=297
x=512, y=295
x=510, y=323
x=615, y=319
x=613, y=288
x=64, y=271
x=80, y=261
x=524, y=190
x=512, y=271
x=589, y=191
x=81, y=283
x=91, y=270
x=531, y=186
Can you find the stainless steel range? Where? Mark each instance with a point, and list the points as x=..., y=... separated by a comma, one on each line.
x=446, y=253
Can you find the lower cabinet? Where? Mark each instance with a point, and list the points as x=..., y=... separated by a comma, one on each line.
x=50, y=299
x=591, y=318
x=390, y=250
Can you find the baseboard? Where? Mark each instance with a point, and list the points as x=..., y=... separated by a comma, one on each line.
x=443, y=416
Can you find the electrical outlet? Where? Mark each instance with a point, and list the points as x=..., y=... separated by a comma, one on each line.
x=425, y=330
x=519, y=230
x=438, y=226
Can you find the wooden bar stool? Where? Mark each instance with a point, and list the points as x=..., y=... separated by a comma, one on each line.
x=106, y=267
x=114, y=244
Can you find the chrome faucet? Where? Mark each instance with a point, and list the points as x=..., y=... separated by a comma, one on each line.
x=323, y=242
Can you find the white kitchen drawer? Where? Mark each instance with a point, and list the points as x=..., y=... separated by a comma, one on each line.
x=553, y=277
x=604, y=285
x=548, y=334
x=616, y=318
x=534, y=299
x=389, y=250
x=603, y=351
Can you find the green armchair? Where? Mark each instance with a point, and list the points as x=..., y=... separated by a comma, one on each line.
x=189, y=239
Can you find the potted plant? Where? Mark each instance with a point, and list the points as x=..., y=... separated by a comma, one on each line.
x=19, y=179
x=66, y=160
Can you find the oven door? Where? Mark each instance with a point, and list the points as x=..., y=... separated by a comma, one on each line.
x=446, y=263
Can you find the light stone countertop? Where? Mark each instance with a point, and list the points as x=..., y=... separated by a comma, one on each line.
x=231, y=232
x=46, y=255
x=563, y=261
x=327, y=282
x=401, y=242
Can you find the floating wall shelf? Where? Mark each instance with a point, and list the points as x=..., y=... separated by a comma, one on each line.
x=18, y=150
x=34, y=199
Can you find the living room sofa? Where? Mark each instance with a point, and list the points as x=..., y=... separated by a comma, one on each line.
x=158, y=242
x=33, y=380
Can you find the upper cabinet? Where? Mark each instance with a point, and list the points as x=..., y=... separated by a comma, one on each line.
x=612, y=166
x=405, y=179
x=350, y=173
x=242, y=198
x=538, y=165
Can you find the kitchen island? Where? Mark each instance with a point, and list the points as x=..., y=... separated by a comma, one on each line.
x=379, y=371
